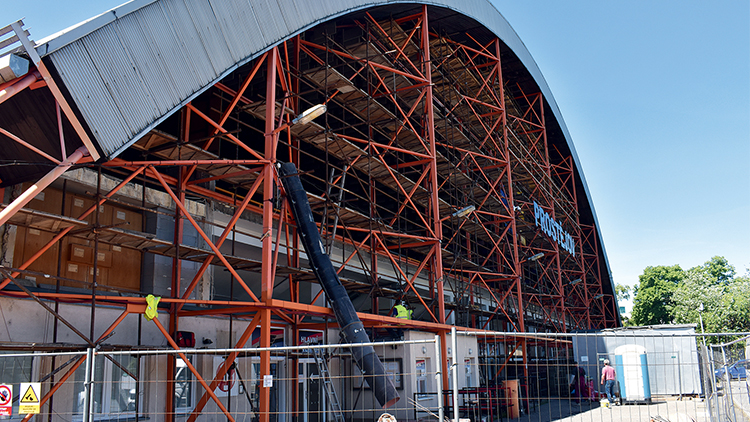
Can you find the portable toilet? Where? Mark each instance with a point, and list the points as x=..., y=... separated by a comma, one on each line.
x=631, y=366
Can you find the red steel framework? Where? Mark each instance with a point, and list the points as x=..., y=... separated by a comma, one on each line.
x=425, y=126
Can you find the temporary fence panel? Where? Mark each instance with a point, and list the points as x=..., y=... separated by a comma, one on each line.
x=492, y=377
x=726, y=365
x=545, y=377
x=310, y=383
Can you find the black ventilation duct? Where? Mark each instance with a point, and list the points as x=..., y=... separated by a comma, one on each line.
x=352, y=329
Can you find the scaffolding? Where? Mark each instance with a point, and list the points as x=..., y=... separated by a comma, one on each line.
x=424, y=176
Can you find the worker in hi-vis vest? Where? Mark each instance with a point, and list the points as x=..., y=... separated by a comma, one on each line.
x=402, y=312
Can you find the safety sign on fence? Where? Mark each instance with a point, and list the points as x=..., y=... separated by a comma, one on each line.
x=29, y=401
x=6, y=400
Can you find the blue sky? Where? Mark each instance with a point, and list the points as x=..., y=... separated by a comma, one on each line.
x=656, y=96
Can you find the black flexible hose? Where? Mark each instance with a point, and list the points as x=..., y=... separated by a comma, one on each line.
x=352, y=329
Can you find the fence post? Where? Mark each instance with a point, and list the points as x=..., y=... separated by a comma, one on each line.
x=87, y=385
x=712, y=371
x=454, y=372
x=728, y=388
x=439, y=379
x=709, y=381
x=727, y=384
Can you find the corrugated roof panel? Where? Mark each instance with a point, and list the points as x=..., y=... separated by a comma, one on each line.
x=187, y=45
x=211, y=34
x=291, y=14
x=159, y=86
x=92, y=97
x=167, y=48
x=303, y=10
x=120, y=75
x=190, y=41
x=272, y=24
x=242, y=32
x=327, y=8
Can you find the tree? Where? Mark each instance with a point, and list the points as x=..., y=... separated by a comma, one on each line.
x=622, y=291
x=669, y=294
x=725, y=298
x=717, y=269
x=695, y=290
x=653, y=295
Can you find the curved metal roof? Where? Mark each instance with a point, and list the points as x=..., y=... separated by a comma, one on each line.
x=130, y=68
x=140, y=61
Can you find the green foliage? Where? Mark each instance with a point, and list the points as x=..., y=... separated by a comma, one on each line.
x=653, y=295
x=669, y=294
x=696, y=290
x=622, y=291
x=717, y=270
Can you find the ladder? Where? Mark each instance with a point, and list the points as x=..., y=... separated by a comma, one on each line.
x=325, y=376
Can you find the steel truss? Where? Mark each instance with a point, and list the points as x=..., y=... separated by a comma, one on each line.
x=422, y=174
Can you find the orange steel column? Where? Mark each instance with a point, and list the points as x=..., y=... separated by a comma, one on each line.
x=509, y=170
x=174, y=323
x=435, y=209
x=293, y=260
x=267, y=242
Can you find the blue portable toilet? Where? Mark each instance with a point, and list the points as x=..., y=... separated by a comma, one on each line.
x=631, y=366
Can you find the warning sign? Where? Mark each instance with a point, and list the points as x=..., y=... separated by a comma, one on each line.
x=29, y=401
x=6, y=399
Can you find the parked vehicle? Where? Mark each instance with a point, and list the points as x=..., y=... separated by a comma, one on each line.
x=737, y=370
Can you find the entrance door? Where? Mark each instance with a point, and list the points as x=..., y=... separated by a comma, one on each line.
x=311, y=397
x=276, y=394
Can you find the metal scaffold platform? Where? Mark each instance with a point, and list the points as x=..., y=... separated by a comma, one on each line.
x=438, y=176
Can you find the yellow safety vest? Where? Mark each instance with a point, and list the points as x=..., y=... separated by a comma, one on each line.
x=402, y=312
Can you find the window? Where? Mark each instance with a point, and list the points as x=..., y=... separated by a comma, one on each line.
x=422, y=392
x=114, y=387
x=469, y=367
x=184, y=390
x=122, y=398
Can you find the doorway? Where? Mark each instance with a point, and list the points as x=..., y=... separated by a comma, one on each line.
x=277, y=391
x=311, y=398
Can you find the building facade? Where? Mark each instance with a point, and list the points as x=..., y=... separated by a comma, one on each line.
x=440, y=174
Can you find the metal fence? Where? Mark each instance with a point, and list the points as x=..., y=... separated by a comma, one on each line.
x=661, y=375
x=728, y=395
x=310, y=383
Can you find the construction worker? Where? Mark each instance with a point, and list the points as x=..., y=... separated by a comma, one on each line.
x=400, y=311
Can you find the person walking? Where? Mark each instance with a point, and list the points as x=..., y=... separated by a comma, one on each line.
x=608, y=380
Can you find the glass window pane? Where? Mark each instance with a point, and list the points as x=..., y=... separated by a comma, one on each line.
x=183, y=387
x=122, y=397
x=98, y=380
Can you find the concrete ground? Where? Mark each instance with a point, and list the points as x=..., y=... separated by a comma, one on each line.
x=740, y=396
x=670, y=409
